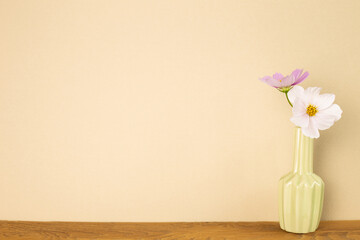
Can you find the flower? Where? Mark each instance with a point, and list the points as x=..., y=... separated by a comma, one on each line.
x=313, y=111
x=284, y=84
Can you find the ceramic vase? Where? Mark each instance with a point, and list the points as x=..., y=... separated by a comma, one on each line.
x=301, y=192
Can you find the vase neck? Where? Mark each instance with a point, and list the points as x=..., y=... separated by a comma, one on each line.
x=303, y=152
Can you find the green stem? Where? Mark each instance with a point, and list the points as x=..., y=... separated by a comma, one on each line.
x=286, y=93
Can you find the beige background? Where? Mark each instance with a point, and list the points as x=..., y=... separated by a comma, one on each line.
x=152, y=110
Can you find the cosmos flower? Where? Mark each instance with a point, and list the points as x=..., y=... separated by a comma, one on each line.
x=285, y=83
x=313, y=111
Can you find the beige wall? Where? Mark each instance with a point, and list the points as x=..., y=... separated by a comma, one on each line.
x=152, y=110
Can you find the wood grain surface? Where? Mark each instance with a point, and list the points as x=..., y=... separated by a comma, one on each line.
x=333, y=230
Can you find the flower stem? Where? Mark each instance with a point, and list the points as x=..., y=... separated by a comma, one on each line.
x=286, y=93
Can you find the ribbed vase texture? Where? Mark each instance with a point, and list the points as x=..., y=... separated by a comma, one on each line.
x=301, y=192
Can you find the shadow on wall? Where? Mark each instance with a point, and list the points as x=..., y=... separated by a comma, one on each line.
x=319, y=164
x=328, y=140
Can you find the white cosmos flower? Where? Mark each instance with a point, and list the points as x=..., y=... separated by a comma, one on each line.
x=313, y=111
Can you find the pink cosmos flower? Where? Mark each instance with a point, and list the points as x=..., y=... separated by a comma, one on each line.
x=284, y=84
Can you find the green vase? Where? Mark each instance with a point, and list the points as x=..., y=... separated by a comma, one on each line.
x=301, y=192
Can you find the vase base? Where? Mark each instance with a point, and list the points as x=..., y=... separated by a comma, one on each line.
x=300, y=202
x=297, y=232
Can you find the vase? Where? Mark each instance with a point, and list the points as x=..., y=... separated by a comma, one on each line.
x=301, y=192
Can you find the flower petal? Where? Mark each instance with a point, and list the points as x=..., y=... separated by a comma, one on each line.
x=278, y=76
x=287, y=81
x=296, y=91
x=323, y=121
x=324, y=101
x=311, y=130
x=312, y=93
x=296, y=73
x=265, y=79
x=300, y=120
x=270, y=81
x=334, y=111
x=302, y=78
x=274, y=83
x=299, y=107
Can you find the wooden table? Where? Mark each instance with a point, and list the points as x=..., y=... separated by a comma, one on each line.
x=195, y=231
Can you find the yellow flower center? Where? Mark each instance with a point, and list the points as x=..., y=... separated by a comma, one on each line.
x=311, y=110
